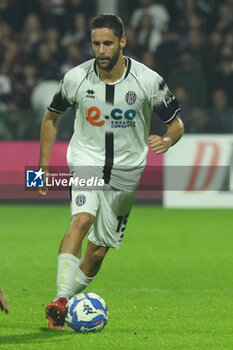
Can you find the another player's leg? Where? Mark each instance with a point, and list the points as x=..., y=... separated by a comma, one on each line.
x=68, y=263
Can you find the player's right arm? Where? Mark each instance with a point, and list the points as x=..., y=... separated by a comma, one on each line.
x=63, y=99
x=48, y=133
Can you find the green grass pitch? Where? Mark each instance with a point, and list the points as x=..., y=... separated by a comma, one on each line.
x=170, y=286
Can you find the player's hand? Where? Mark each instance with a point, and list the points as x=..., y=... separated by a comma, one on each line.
x=43, y=190
x=3, y=304
x=159, y=144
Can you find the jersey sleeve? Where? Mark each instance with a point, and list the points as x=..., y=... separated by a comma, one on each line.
x=64, y=97
x=163, y=102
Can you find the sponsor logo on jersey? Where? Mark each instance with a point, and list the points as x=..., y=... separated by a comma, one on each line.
x=93, y=114
x=122, y=124
x=80, y=200
x=130, y=97
x=118, y=118
x=90, y=93
x=169, y=97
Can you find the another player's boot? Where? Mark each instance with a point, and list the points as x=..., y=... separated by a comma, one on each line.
x=55, y=312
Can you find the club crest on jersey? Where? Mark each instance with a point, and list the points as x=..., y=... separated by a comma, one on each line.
x=130, y=97
x=80, y=200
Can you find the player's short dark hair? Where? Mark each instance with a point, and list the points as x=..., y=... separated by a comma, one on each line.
x=110, y=21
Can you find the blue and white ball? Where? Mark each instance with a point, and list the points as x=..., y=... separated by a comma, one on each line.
x=86, y=312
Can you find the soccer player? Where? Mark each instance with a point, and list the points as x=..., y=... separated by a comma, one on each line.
x=3, y=303
x=113, y=96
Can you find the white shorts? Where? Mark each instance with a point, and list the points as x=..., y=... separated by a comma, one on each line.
x=111, y=209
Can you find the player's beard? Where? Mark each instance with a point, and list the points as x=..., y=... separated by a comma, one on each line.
x=111, y=62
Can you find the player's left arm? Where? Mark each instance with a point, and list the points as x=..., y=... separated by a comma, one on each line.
x=160, y=144
x=166, y=106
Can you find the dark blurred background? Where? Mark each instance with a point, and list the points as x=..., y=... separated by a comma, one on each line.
x=190, y=43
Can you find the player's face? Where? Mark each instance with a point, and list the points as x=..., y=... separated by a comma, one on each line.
x=106, y=47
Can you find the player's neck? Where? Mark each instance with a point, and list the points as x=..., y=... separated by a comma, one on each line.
x=115, y=73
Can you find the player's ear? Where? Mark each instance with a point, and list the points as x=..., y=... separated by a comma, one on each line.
x=123, y=42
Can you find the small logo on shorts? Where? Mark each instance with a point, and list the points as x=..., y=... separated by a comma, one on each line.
x=130, y=97
x=80, y=200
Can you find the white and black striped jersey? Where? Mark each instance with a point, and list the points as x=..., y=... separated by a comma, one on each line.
x=113, y=120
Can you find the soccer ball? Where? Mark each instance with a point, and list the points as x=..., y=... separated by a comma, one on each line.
x=86, y=312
